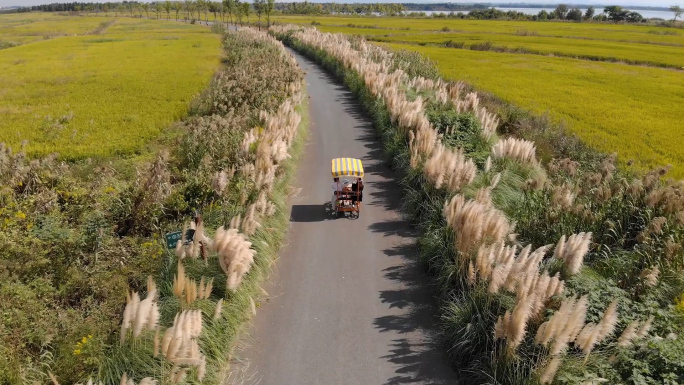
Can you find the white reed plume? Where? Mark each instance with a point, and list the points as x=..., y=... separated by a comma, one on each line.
x=512, y=326
x=495, y=180
x=217, y=311
x=235, y=222
x=449, y=168
x=140, y=315
x=628, y=334
x=572, y=251
x=484, y=195
x=550, y=370
x=562, y=196
x=593, y=334
x=421, y=144
x=488, y=164
x=180, y=250
x=221, y=180
x=179, y=281
x=650, y=276
x=251, y=137
x=564, y=326
x=516, y=149
x=609, y=320
x=474, y=223
x=250, y=223
x=130, y=311
x=179, y=344
x=644, y=329
x=235, y=255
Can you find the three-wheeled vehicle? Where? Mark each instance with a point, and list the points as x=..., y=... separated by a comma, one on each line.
x=348, y=198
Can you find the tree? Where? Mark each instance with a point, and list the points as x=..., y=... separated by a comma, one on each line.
x=131, y=8
x=238, y=11
x=574, y=14
x=167, y=8
x=199, y=4
x=543, y=15
x=677, y=11
x=189, y=4
x=616, y=13
x=590, y=13
x=205, y=10
x=270, y=5
x=561, y=11
x=259, y=6
x=634, y=17
x=245, y=10
x=146, y=8
x=158, y=9
x=229, y=6
x=177, y=7
x=105, y=8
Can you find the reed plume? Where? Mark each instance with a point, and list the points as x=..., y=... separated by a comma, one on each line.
x=650, y=276
x=644, y=329
x=449, y=168
x=474, y=223
x=140, y=315
x=629, y=334
x=180, y=342
x=572, y=251
x=235, y=255
x=564, y=326
x=517, y=149
x=217, y=312
x=550, y=370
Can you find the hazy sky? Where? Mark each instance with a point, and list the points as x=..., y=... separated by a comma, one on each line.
x=5, y=3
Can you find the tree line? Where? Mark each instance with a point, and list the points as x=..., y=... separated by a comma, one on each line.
x=235, y=11
x=562, y=12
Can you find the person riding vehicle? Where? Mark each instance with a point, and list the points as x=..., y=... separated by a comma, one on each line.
x=357, y=187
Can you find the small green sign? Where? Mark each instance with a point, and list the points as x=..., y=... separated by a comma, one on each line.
x=173, y=238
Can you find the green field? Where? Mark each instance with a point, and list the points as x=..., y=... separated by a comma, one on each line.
x=29, y=27
x=99, y=94
x=633, y=110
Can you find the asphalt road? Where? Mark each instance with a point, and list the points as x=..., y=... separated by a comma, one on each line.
x=348, y=304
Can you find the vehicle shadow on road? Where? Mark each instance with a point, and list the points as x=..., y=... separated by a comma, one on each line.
x=310, y=213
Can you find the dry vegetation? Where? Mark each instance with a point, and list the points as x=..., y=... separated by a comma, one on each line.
x=88, y=288
x=601, y=307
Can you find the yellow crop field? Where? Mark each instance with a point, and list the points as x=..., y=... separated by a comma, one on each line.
x=99, y=95
x=632, y=110
x=595, y=31
x=656, y=55
x=30, y=27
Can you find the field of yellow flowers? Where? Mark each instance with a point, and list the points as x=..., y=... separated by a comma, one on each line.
x=93, y=86
x=567, y=70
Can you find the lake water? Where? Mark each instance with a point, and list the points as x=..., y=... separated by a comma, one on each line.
x=533, y=11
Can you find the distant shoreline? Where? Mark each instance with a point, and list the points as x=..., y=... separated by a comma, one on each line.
x=460, y=7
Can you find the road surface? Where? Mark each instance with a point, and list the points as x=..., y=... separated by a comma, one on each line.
x=348, y=304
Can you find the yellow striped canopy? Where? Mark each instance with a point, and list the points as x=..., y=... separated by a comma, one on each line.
x=347, y=167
